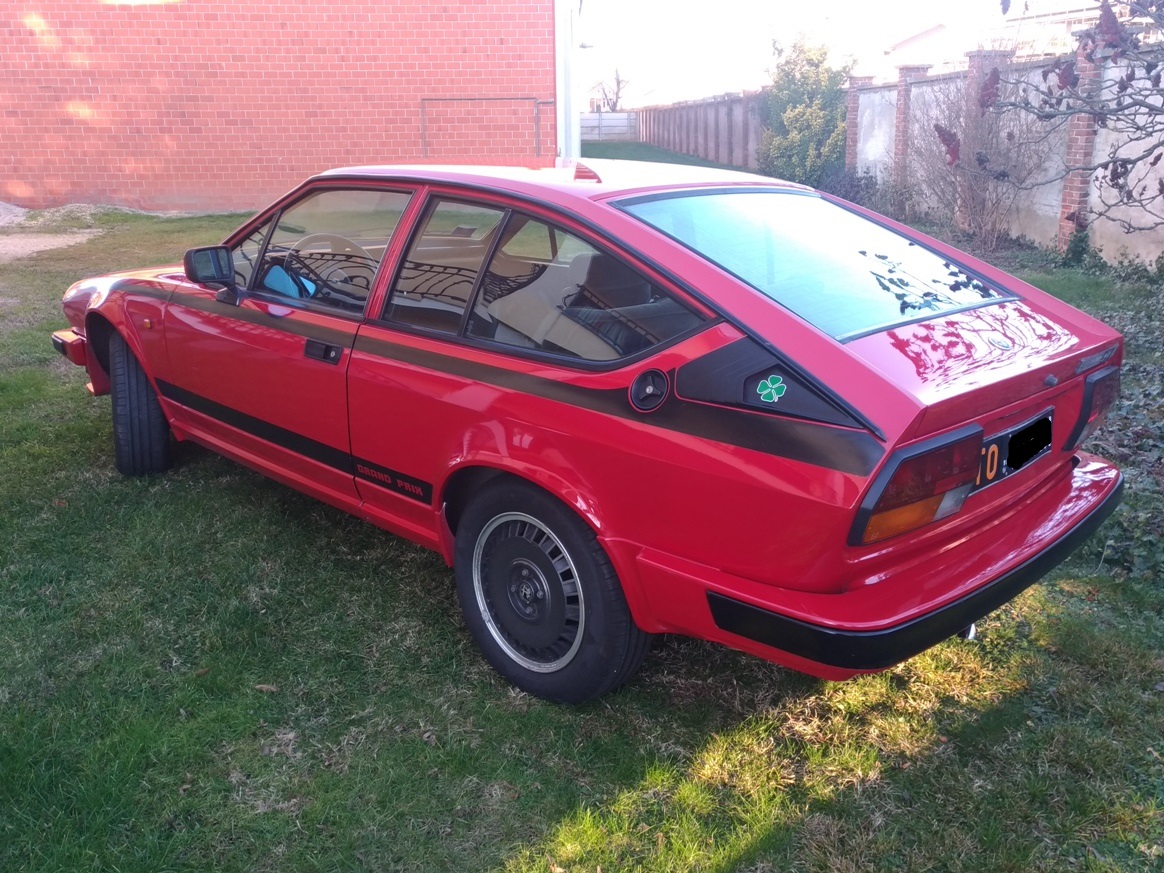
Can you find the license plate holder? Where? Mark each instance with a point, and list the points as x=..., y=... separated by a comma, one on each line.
x=1010, y=451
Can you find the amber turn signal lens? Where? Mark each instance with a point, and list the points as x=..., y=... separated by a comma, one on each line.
x=894, y=521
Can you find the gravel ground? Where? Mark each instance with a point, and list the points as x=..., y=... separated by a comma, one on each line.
x=10, y=214
x=14, y=246
x=19, y=238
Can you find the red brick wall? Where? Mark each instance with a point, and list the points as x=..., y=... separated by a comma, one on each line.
x=1081, y=134
x=209, y=104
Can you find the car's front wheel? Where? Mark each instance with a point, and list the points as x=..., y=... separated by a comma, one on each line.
x=141, y=435
x=541, y=598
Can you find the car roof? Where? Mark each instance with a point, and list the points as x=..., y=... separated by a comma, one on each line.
x=590, y=179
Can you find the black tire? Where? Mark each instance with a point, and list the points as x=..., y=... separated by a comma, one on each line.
x=541, y=598
x=141, y=435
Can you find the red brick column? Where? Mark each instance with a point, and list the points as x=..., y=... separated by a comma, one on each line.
x=978, y=68
x=1081, y=130
x=905, y=76
x=853, y=119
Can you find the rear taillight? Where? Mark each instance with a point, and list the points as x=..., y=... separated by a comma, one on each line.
x=1100, y=391
x=920, y=485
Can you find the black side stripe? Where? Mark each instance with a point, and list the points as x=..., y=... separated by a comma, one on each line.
x=409, y=486
x=285, y=325
x=847, y=450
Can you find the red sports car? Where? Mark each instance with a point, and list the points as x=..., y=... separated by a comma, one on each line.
x=624, y=399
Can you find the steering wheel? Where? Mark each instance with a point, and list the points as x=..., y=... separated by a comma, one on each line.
x=331, y=274
x=337, y=243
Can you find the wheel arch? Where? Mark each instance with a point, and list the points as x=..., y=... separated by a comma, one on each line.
x=98, y=331
x=467, y=480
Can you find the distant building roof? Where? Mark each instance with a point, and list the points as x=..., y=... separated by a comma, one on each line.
x=1032, y=28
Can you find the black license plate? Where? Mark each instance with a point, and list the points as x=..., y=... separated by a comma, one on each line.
x=1009, y=452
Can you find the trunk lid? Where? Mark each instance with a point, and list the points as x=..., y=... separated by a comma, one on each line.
x=995, y=361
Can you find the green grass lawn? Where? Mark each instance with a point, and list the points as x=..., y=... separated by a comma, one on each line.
x=206, y=670
x=641, y=151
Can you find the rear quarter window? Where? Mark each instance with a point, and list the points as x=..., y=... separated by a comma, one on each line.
x=550, y=291
x=839, y=271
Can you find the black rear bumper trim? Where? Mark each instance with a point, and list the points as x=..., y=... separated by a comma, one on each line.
x=876, y=650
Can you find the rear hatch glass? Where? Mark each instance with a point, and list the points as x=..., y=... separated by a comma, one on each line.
x=839, y=271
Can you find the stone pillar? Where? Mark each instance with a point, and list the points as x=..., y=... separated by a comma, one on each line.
x=905, y=76
x=1081, y=132
x=978, y=68
x=853, y=120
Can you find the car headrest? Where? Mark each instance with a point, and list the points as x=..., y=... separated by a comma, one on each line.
x=613, y=283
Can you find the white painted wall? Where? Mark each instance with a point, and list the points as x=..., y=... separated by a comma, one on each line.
x=876, y=112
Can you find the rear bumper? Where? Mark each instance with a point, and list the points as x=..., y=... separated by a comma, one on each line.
x=876, y=650
x=72, y=345
x=901, y=610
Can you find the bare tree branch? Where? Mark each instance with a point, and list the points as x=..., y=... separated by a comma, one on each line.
x=968, y=166
x=611, y=92
x=1118, y=86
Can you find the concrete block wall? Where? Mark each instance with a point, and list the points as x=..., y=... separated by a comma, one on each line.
x=885, y=117
x=609, y=126
x=213, y=104
x=724, y=129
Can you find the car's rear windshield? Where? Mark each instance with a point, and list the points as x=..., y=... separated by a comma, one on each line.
x=836, y=269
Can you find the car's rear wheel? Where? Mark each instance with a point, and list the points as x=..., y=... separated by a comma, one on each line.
x=141, y=435
x=541, y=598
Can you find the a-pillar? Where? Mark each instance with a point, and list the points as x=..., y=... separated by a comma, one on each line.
x=1081, y=132
x=905, y=77
x=853, y=120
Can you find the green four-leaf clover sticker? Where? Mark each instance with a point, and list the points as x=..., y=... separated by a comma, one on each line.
x=771, y=389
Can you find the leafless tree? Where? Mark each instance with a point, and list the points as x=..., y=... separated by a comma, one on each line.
x=1119, y=86
x=611, y=92
x=968, y=167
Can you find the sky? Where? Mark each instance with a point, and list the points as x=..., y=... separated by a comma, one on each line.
x=685, y=50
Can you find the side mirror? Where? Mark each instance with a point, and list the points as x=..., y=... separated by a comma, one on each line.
x=213, y=265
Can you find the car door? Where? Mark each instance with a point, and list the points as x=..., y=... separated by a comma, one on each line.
x=265, y=380
x=487, y=310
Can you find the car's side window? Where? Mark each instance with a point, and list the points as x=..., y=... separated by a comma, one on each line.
x=440, y=271
x=325, y=249
x=548, y=290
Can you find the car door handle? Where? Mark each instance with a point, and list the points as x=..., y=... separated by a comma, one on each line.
x=322, y=351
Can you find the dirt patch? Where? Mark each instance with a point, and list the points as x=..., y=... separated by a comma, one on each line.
x=14, y=246
x=25, y=232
